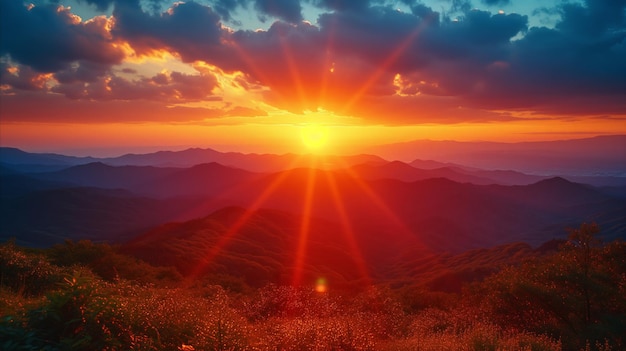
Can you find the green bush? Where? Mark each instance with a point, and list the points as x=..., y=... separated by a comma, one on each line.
x=27, y=273
x=79, y=315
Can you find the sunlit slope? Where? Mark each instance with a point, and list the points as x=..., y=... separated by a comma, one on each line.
x=263, y=249
x=438, y=214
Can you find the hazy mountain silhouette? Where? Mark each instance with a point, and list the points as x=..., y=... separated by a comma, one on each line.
x=433, y=214
x=17, y=159
x=201, y=179
x=602, y=155
x=14, y=184
x=443, y=214
x=46, y=217
x=264, y=249
x=98, y=174
x=505, y=173
x=250, y=162
x=384, y=202
x=404, y=172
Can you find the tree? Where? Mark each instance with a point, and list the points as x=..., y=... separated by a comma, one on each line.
x=576, y=294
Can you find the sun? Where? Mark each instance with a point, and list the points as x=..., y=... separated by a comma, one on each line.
x=314, y=137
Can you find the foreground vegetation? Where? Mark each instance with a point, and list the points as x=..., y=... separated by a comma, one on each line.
x=85, y=296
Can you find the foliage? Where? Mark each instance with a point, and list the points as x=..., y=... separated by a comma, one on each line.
x=572, y=299
x=77, y=316
x=576, y=295
x=26, y=273
x=103, y=260
x=173, y=317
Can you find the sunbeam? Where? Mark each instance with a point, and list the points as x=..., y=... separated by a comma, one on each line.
x=241, y=221
x=381, y=205
x=384, y=66
x=293, y=69
x=303, y=236
x=328, y=64
x=348, y=230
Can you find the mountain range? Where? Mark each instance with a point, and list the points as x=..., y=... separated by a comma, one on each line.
x=264, y=217
x=597, y=156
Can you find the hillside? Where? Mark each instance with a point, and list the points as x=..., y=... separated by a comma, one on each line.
x=264, y=248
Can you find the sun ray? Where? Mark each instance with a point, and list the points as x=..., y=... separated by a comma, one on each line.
x=303, y=236
x=241, y=221
x=328, y=64
x=384, y=66
x=293, y=69
x=396, y=222
x=348, y=230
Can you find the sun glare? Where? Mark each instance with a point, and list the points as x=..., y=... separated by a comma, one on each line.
x=314, y=137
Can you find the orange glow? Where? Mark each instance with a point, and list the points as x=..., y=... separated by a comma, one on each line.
x=346, y=224
x=321, y=286
x=234, y=229
x=314, y=137
x=305, y=225
x=114, y=139
x=382, y=68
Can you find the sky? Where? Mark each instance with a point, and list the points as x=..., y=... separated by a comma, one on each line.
x=106, y=77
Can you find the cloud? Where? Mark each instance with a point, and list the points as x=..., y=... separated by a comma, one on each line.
x=190, y=29
x=362, y=58
x=225, y=8
x=288, y=10
x=584, y=56
x=496, y=2
x=49, y=38
x=22, y=78
x=57, y=108
x=342, y=5
x=174, y=87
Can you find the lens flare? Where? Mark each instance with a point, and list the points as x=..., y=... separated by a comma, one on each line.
x=321, y=286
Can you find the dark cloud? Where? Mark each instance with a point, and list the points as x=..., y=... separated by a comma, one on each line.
x=81, y=71
x=362, y=57
x=48, y=38
x=288, y=10
x=225, y=8
x=174, y=87
x=342, y=5
x=22, y=78
x=19, y=108
x=496, y=2
x=189, y=28
x=559, y=68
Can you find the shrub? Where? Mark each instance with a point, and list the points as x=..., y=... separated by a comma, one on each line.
x=26, y=273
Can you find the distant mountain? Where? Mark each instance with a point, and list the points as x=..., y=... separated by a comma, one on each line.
x=431, y=164
x=17, y=159
x=208, y=179
x=503, y=177
x=100, y=175
x=46, y=217
x=598, y=156
x=407, y=215
x=265, y=248
x=500, y=162
x=199, y=180
x=436, y=214
x=404, y=172
x=13, y=184
x=251, y=162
